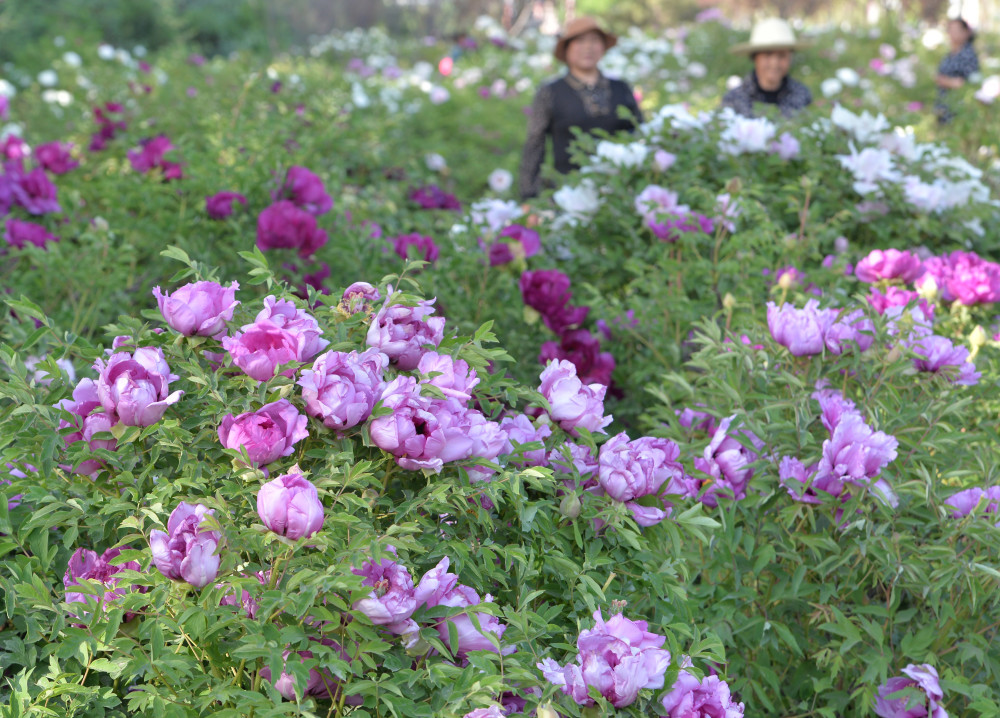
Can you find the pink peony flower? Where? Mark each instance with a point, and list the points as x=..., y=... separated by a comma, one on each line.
x=199, y=308
x=267, y=434
x=297, y=322
x=220, y=204
x=262, y=347
x=342, y=389
x=401, y=332
x=572, y=403
x=889, y=264
x=136, y=387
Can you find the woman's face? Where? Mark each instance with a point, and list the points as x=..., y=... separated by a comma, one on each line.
x=771, y=68
x=957, y=33
x=585, y=51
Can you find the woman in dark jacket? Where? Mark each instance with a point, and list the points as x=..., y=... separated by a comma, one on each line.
x=771, y=45
x=955, y=69
x=582, y=98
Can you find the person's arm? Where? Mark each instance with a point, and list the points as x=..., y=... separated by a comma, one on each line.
x=533, y=154
x=949, y=83
x=633, y=107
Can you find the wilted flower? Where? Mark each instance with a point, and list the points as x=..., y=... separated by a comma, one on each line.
x=199, y=308
x=358, y=297
x=267, y=434
x=572, y=403
x=285, y=226
x=18, y=233
x=923, y=677
x=416, y=246
x=401, y=332
x=305, y=190
x=187, y=552
x=220, y=204
x=56, y=157
x=648, y=466
x=708, y=698
x=289, y=506
x=342, y=389
x=727, y=463
x=136, y=387
x=619, y=657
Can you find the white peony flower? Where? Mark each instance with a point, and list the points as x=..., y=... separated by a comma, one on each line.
x=494, y=214
x=435, y=162
x=48, y=78
x=848, y=77
x=831, y=87
x=500, y=180
x=746, y=135
x=578, y=203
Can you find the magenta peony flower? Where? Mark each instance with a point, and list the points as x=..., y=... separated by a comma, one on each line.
x=619, y=657
x=938, y=355
x=572, y=403
x=523, y=243
x=452, y=376
x=415, y=246
x=433, y=197
x=889, y=264
x=401, y=332
x=963, y=277
x=199, y=308
x=305, y=190
x=342, y=389
x=321, y=683
x=583, y=349
x=135, y=387
x=630, y=470
x=89, y=565
x=56, y=157
x=707, y=698
x=220, y=204
x=727, y=463
x=297, y=322
x=186, y=552
x=897, y=297
x=289, y=506
x=520, y=430
x=18, y=233
x=262, y=348
x=547, y=292
x=923, y=677
x=392, y=599
x=285, y=226
x=267, y=434
x=35, y=192
x=440, y=588
x=150, y=155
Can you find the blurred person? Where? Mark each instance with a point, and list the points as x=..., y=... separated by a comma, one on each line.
x=771, y=45
x=957, y=67
x=583, y=98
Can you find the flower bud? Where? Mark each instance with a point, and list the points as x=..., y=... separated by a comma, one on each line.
x=729, y=301
x=290, y=506
x=977, y=337
x=894, y=354
x=786, y=280
x=570, y=506
x=546, y=711
x=734, y=186
x=928, y=288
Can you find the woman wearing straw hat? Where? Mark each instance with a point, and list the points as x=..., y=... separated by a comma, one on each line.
x=770, y=48
x=581, y=99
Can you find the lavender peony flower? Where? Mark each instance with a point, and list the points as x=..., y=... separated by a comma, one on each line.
x=572, y=403
x=938, y=355
x=401, y=332
x=630, y=470
x=889, y=264
x=262, y=348
x=965, y=502
x=89, y=565
x=520, y=430
x=320, y=683
x=392, y=599
x=922, y=677
x=297, y=322
x=452, y=376
x=187, y=552
x=56, y=157
x=199, y=308
x=707, y=698
x=727, y=463
x=619, y=657
x=855, y=452
x=289, y=505
x=802, y=331
x=220, y=204
x=493, y=711
x=87, y=423
x=135, y=387
x=786, y=147
x=342, y=389
x=18, y=233
x=285, y=226
x=267, y=434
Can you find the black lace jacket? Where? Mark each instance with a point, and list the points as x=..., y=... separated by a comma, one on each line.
x=791, y=97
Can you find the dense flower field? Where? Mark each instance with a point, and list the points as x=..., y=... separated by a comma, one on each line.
x=303, y=414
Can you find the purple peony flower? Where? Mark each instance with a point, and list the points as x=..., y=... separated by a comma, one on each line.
x=267, y=434
x=220, y=204
x=285, y=226
x=856, y=453
x=802, y=331
x=850, y=328
x=401, y=332
x=56, y=157
x=136, y=387
x=727, y=463
x=648, y=466
x=87, y=422
x=305, y=190
x=619, y=657
x=572, y=403
x=547, y=292
x=150, y=155
x=965, y=502
x=493, y=711
x=520, y=430
x=415, y=246
x=342, y=389
x=937, y=354
x=89, y=565
x=297, y=322
x=18, y=233
x=289, y=506
x=707, y=698
x=392, y=599
x=35, y=192
x=922, y=677
x=583, y=349
x=262, y=347
x=433, y=197
x=787, y=148
x=575, y=460
x=320, y=683
x=452, y=376
x=186, y=552
x=440, y=588
x=696, y=420
x=964, y=277
x=897, y=297
x=199, y=308
x=889, y=264
x=523, y=243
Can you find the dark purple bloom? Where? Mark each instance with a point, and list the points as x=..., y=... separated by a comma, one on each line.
x=306, y=191
x=583, y=349
x=547, y=292
x=433, y=197
x=523, y=243
x=220, y=204
x=35, y=192
x=186, y=552
x=416, y=246
x=56, y=157
x=151, y=154
x=285, y=226
x=18, y=233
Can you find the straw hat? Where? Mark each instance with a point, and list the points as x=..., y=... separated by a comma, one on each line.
x=770, y=34
x=576, y=27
